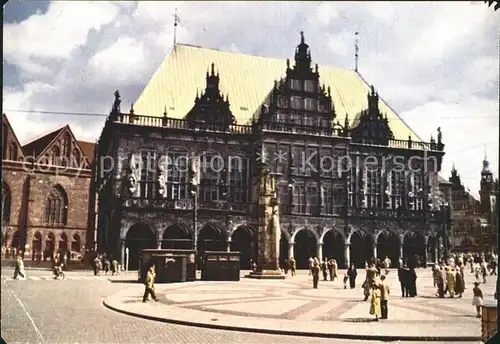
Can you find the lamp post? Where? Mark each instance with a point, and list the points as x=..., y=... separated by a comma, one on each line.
x=193, y=186
x=445, y=209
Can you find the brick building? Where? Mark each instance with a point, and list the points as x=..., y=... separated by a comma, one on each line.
x=474, y=221
x=47, y=204
x=252, y=109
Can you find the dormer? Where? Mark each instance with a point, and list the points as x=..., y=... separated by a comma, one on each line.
x=370, y=126
x=210, y=108
x=299, y=99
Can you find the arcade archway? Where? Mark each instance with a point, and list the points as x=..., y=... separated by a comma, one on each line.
x=36, y=243
x=388, y=246
x=243, y=240
x=63, y=243
x=211, y=238
x=361, y=249
x=177, y=237
x=305, y=247
x=139, y=237
x=16, y=240
x=333, y=247
x=414, y=250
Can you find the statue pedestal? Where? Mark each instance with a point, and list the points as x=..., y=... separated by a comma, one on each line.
x=266, y=274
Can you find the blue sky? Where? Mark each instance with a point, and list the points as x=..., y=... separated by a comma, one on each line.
x=435, y=63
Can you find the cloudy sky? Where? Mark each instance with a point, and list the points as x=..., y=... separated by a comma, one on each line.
x=435, y=63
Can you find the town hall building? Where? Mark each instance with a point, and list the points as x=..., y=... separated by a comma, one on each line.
x=354, y=181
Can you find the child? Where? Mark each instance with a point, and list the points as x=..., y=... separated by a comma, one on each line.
x=346, y=278
x=477, y=300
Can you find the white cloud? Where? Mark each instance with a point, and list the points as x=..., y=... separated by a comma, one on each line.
x=326, y=12
x=54, y=34
x=122, y=62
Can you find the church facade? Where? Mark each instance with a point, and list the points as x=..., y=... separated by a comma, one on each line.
x=47, y=202
x=354, y=182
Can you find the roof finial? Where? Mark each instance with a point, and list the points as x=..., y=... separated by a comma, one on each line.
x=356, y=51
x=132, y=108
x=302, y=40
x=165, y=111
x=177, y=20
x=213, y=69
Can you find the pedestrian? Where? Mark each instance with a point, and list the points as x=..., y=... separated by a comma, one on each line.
x=384, y=296
x=114, y=267
x=352, y=274
x=459, y=283
x=315, y=274
x=150, y=285
x=335, y=269
x=450, y=280
x=330, y=269
x=346, y=278
x=324, y=270
x=107, y=264
x=19, y=268
x=412, y=282
x=493, y=267
x=311, y=265
x=477, y=300
x=96, y=262
x=293, y=266
x=387, y=264
x=403, y=280
x=440, y=283
x=375, y=308
x=484, y=272
x=435, y=274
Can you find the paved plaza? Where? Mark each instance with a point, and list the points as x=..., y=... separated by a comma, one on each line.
x=292, y=306
x=71, y=311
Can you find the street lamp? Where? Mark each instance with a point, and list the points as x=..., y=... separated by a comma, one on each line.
x=193, y=189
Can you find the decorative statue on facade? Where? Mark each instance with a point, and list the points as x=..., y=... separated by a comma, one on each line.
x=439, y=136
x=116, y=104
x=162, y=180
x=132, y=177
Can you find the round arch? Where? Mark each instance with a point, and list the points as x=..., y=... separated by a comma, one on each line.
x=6, y=202
x=305, y=246
x=76, y=243
x=388, y=245
x=333, y=246
x=285, y=241
x=177, y=237
x=414, y=249
x=36, y=243
x=50, y=245
x=63, y=242
x=139, y=237
x=211, y=238
x=244, y=240
x=16, y=240
x=361, y=249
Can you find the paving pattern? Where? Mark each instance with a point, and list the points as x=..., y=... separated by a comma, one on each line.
x=294, y=303
x=65, y=313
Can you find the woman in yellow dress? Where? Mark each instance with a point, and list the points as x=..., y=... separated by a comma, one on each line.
x=450, y=278
x=375, y=308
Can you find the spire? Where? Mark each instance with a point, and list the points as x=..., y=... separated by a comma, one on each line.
x=302, y=54
x=486, y=165
x=356, y=51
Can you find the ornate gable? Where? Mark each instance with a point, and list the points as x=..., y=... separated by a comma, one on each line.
x=210, y=108
x=299, y=98
x=64, y=150
x=11, y=148
x=370, y=126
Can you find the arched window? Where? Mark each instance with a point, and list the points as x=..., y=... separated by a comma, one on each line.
x=76, y=157
x=56, y=208
x=6, y=199
x=76, y=243
x=12, y=152
x=56, y=153
x=66, y=145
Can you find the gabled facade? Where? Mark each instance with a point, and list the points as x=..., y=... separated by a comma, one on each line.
x=474, y=221
x=47, y=200
x=349, y=189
